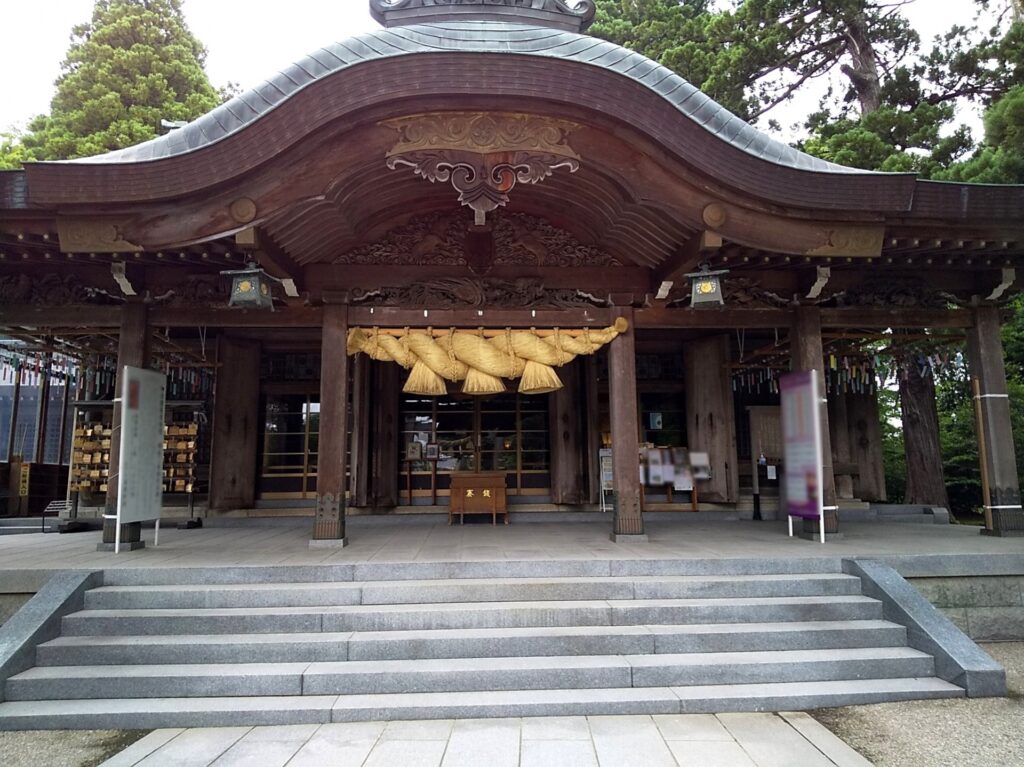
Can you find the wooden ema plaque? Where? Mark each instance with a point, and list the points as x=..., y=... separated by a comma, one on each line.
x=478, y=493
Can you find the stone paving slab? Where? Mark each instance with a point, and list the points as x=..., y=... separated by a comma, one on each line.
x=726, y=740
x=913, y=550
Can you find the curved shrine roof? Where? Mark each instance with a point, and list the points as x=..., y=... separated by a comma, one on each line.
x=488, y=36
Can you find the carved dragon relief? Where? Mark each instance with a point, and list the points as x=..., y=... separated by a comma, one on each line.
x=483, y=154
x=472, y=293
x=438, y=239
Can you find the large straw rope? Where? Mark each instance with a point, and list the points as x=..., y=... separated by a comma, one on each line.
x=481, y=358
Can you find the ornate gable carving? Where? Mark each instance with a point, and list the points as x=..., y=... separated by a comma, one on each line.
x=575, y=16
x=438, y=239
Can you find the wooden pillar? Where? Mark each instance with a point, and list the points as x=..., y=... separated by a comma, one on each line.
x=132, y=350
x=808, y=354
x=236, y=416
x=387, y=380
x=362, y=403
x=626, y=502
x=866, y=446
x=567, y=441
x=1003, y=513
x=15, y=403
x=42, y=412
x=592, y=407
x=711, y=415
x=842, y=450
x=331, y=468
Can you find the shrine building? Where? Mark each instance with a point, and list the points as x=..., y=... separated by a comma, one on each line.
x=478, y=241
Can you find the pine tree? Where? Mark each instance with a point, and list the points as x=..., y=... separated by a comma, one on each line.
x=132, y=65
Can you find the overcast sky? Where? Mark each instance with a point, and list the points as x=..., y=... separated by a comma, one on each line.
x=249, y=41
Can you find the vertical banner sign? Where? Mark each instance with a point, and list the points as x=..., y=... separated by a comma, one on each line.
x=140, y=474
x=801, y=434
x=24, y=480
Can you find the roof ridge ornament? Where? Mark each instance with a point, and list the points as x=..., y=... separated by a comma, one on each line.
x=558, y=14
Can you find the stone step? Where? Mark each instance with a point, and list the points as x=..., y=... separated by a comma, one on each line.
x=467, y=590
x=133, y=713
x=464, y=674
x=472, y=615
x=468, y=643
x=404, y=571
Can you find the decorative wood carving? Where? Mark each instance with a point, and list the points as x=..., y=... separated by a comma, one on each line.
x=52, y=290
x=556, y=12
x=850, y=241
x=243, y=210
x=738, y=292
x=908, y=293
x=198, y=290
x=483, y=154
x=439, y=239
x=469, y=292
x=93, y=235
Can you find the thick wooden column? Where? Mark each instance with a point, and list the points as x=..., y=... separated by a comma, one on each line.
x=235, y=425
x=592, y=415
x=331, y=468
x=568, y=449
x=842, y=450
x=1003, y=513
x=626, y=503
x=808, y=354
x=362, y=394
x=132, y=350
x=711, y=415
x=866, y=446
x=387, y=386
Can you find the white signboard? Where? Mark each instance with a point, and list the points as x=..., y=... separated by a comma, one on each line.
x=607, y=475
x=140, y=471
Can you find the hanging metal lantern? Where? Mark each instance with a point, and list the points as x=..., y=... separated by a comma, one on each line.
x=706, y=287
x=251, y=288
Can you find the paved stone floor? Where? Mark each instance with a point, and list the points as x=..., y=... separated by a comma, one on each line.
x=726, y=740
x=286, y=542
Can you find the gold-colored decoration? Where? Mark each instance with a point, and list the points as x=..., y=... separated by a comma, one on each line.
x=481, y=359
x=243, y=210
x=93, y=235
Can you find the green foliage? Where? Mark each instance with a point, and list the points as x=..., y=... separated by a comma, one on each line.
x=132, y=65
x=894, y=460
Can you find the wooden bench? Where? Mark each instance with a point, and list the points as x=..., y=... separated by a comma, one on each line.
x=478, y=493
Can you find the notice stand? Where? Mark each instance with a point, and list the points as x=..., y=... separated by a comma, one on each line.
x=801, y=432
x=140, y=471
x=607, y=477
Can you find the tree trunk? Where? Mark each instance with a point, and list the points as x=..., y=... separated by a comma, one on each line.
x=863, y=72
x=925, y=482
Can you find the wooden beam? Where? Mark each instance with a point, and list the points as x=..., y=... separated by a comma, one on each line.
x=290, y=317
x=16, y=316
x=277, y=263
x=687, y=258
x=390, y=316
x=712, y=319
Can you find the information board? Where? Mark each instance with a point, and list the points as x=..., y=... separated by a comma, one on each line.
x=140, y=470
x=801, y=434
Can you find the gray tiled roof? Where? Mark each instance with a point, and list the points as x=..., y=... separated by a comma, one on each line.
x=471, y=37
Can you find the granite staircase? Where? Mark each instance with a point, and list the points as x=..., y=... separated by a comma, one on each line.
x=179, y=648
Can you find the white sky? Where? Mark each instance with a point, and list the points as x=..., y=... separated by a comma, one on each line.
x=249, y=41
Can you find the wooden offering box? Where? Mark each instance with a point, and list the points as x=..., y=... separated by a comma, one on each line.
x=478, y=493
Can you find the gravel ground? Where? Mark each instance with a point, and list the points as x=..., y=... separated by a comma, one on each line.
x=981, y=732
x=63, y=748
